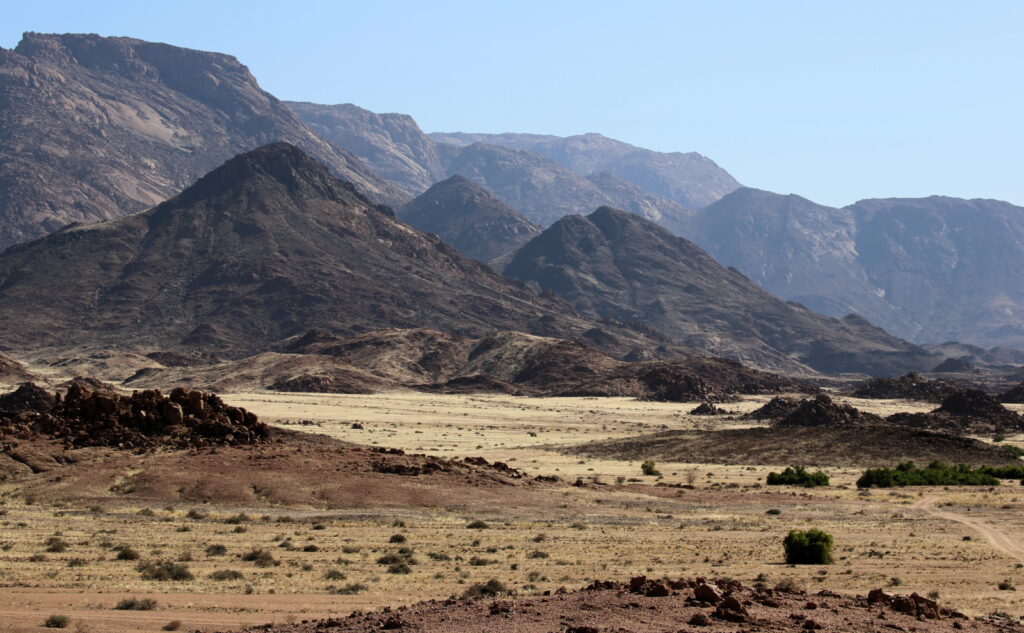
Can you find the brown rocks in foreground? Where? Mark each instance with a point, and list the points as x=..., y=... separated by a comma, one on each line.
x=644, y=605
x=144, y=420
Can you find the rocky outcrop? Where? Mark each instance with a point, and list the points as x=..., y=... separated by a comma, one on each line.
x=144, y=420
x=823, y=411
x=912, y=386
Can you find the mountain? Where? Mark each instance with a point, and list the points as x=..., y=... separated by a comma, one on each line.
x=928, y=269
x=537, y=186
x=391, y=144
x=794, y=248
x=466, y=216
x=616, y=265
x=93, y=128
x=264, y=247
x=688, y=179
x=544, y=191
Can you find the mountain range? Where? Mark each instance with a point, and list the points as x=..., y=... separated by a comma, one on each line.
x=93, y=128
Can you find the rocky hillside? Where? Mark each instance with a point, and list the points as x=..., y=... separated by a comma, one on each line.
x=688, y=179
x=266, y=246
x=92, y=128
x=545, y=191
x=930, y=270
x=612, y=264
x=391, y=144
x=469, y=218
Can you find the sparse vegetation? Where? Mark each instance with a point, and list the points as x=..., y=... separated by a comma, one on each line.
x=136, y=604
x=227, y=574
x=260, y=558
x=173, y=625
x=164, y=571
x=477, y=525
x=808, y=547
x=798, y=476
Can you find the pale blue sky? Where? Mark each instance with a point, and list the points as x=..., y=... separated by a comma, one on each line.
x=836, y=101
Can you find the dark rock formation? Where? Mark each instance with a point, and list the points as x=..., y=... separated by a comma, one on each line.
x=466, y=216
x=822, y=411
x=912, y=386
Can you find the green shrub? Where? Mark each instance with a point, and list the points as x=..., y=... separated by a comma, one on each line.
x=648, y=469
x=57, y=622
x=935, y=474
x=136, y=604
x=798, y=476
x=810, y=547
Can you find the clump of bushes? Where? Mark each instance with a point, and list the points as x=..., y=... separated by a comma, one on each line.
x=492, y=587
x=126, y=553
x=164, y=570
x=216, y=550
x=56, y=545
x=648, y=468
x=934, y=474
x=136, y=604
x=798, y=476
x=808, y=547
x=227, y=574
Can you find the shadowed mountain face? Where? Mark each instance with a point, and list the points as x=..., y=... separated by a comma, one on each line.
x=617, y=265
x=929, y=269
x=476, y=223
x=688, y=179
x=266, y=246
x=93, y=128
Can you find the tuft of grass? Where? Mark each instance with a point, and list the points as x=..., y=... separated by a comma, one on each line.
x=57, y=622
x=136, y=604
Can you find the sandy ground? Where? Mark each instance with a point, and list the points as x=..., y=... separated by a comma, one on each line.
x=957, y=542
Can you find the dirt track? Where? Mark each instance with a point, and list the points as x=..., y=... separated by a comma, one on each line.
x=998, y=539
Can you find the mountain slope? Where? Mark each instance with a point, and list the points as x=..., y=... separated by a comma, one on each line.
x=929, y=269
x=616, y=265
x=93, y=128
x=689, y=179
x=544, y=191
x=476, y=223
x=391, y=144
x=264, y=247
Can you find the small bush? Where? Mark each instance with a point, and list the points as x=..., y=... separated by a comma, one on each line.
x=57, y=622
x=56, y=545
x=164, y=571
x=350, y=589
x=477, y=525
x=260, y=558
x=798, y=476
x=773, y=512
x=77, y=562
x=173, y=625
x=492, y=587
x=216, y=550
x=399, y=568
x=1007, y=585
x=127, y=553
x=397, y=538
x=810, y=547
x=333, y=574
x=648, y=468
x=196, y=515
x=227, y=574
x=538, y=554
x=238, y=518
x=136, y=604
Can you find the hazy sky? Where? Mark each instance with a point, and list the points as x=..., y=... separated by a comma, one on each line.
x=836, y=101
